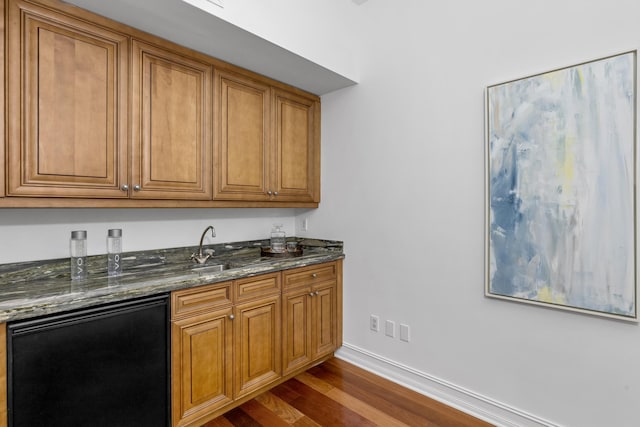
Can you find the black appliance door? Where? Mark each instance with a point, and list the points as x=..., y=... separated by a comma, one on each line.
x=104, y=366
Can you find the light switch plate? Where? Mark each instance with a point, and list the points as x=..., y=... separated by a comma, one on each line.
x=390, y=328
x=404, y=332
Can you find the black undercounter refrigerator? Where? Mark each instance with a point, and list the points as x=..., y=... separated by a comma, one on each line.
x=99, y=366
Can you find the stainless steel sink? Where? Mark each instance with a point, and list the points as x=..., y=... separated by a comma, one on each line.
x=209, y=268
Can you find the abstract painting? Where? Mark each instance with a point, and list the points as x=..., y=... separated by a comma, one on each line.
x=560, y=188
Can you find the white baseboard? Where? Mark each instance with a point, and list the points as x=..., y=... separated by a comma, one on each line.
x=467, y=401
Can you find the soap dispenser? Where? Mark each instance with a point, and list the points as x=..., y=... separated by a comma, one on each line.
x=278, y=239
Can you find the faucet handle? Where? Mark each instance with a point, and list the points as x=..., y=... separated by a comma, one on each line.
x=199, y=258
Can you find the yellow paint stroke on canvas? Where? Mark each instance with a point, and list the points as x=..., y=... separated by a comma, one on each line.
x=565, y=155
x=566, y=171
x=556, y=79
x=547, y=295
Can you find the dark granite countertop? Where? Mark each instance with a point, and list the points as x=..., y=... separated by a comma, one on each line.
x=32, y=289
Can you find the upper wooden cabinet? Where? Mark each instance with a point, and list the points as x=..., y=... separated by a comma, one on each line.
x=267, y=142
x=99, y=114
x=171, y=125
x=67, y=105
x=242, y=139
x=3, y=141
x=296, y=168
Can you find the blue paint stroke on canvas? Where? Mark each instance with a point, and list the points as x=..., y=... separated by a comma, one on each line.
x=561, y=187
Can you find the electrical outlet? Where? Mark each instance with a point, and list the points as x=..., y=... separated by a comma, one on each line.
x=305, y=224
x=404, y=332
x=390, y=328
x=374, y=323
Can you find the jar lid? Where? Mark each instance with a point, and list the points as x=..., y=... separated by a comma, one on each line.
x=115, y=232
x=79, y=234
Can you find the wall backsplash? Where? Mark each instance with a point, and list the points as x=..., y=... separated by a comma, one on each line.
x=36, y=234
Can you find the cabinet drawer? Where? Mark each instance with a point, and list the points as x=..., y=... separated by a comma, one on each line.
x=200, y=299
x=310, y=275
x=257, y=286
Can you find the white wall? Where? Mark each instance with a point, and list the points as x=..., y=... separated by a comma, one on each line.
x=35, y=234
x=403, y=186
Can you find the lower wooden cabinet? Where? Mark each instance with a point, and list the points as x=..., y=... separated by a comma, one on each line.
x=257, y=344
x=324, y=326
x=201, y=365
x=257, y=326
x=233, y=340
x=201, y=352
x=310, y=315
x=296, y=334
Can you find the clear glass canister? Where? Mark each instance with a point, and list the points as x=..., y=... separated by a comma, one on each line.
x=78, y=252
x=278, y=239
x=114, y=252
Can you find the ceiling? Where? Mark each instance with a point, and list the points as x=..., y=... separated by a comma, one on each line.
x=187, y=25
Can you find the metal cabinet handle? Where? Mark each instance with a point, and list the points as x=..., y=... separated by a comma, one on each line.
x=310, y=294
x=136, y=188
x=275, y=193
x=269, y=192
x=317, y=293
x=314, y=275
x=125, y=187
x=231, y=317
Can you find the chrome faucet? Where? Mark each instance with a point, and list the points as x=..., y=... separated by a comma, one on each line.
x=201, y=258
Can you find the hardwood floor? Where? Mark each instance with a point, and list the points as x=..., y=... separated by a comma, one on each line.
x=337, y=393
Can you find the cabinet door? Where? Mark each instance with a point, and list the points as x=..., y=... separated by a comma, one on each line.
x=296, y=330
x=201, y=365
x=310, y=328
x=3, y=149
x=325, y=318
x=257, y=344
x=296, y=171
x=242, y=138
x=171, y=125
x=67, y=105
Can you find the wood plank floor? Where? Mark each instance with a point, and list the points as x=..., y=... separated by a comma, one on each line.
x=337, y=393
